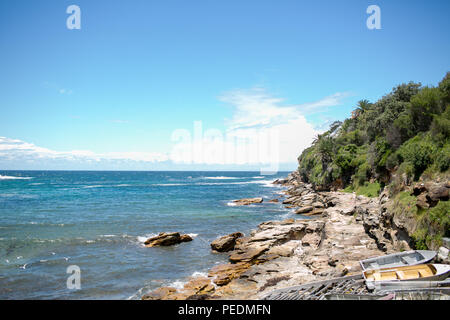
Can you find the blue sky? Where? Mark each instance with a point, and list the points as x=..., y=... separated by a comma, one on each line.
x=111, y=95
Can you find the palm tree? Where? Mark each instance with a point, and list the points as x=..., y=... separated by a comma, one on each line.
x=364, y=105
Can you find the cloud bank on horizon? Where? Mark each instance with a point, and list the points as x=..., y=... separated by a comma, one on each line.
x=256, y=115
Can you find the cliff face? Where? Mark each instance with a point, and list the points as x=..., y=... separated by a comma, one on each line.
x=418, y=216
x=397, y=148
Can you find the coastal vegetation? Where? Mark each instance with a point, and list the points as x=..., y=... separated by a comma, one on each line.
x=399, y=140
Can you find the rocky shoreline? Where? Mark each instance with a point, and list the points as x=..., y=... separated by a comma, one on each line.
x=334, y=232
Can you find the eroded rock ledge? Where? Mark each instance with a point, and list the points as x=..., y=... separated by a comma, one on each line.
x=279, y=254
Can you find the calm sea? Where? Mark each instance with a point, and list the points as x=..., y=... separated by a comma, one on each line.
x=98, y=221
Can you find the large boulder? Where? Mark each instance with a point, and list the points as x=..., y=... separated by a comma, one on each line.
x=439, y=192
x=167, y=239
x=430, y=193
x=248, y=201
x=226, y=243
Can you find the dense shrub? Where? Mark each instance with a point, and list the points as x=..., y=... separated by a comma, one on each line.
x=440, y=215
x=440, y=127
x=419, y=153
x=443, y=159
x=406, y=169
x=362, y=174
x=424, y=105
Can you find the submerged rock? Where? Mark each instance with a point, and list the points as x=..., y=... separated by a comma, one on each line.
x=226, y=243
x=248, y=201
x=167, y=239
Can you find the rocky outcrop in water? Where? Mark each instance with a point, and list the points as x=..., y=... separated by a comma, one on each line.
x=246, y=202
x=167, y=239
x=226, y=243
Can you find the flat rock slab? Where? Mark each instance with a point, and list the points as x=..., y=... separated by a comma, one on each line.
x=246, y=202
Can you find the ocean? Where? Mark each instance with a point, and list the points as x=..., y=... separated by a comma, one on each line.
x=98, y=221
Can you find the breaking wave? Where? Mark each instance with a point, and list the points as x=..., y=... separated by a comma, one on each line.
x=14, y=178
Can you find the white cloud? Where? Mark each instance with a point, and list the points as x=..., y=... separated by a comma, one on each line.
x=259, y=113
x=13, y=149
x=262, y=130
x=323, y=104
x=256, y=108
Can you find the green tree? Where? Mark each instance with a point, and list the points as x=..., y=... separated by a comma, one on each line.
x=424, y=105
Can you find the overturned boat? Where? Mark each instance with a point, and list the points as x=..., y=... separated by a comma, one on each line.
x=401, y=259
x=421, y=272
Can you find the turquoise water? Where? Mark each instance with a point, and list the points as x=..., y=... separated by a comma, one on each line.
x=98, y=221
